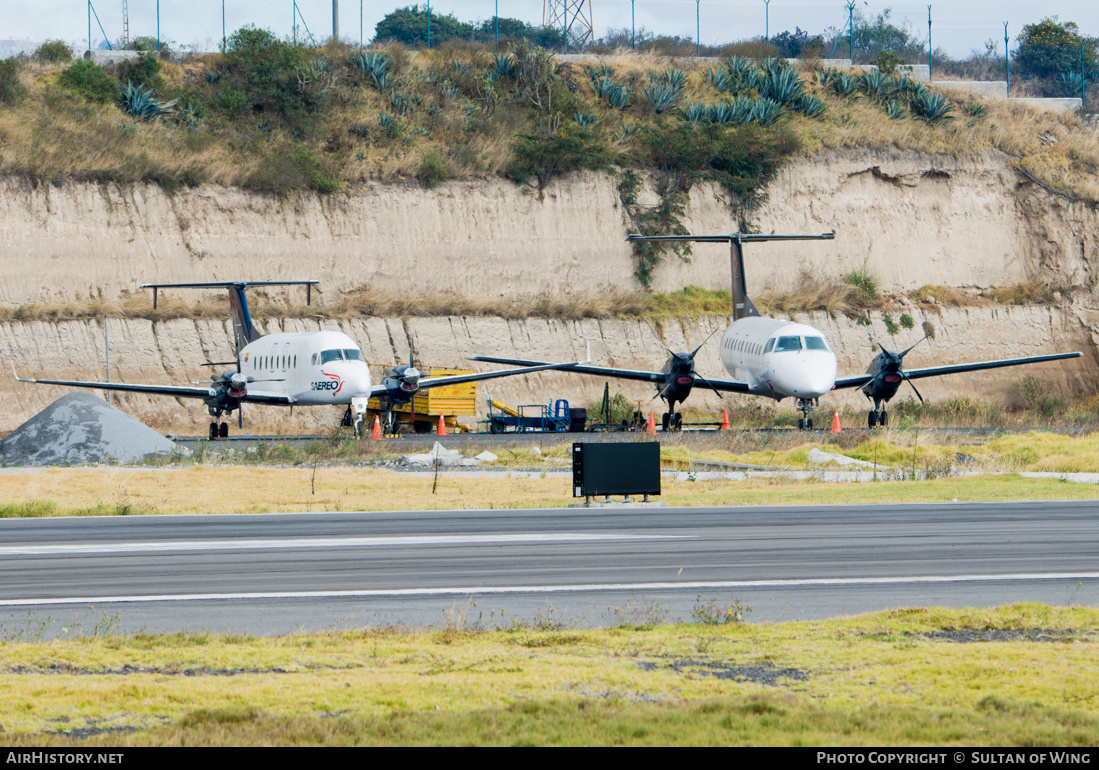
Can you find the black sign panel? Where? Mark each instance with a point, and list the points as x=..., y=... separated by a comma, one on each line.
x=615, y=469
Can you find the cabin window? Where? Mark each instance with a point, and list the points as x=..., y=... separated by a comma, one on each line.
x=815, y=343
x=788, y=343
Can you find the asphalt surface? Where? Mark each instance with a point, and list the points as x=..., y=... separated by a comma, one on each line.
x=276, y=573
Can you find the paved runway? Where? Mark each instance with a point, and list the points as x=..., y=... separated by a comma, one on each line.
x=274, y=573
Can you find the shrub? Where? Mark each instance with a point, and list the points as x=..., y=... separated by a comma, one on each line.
x=544, y=156
x=865, y=281
x=432, y=170
x=11, y=90
x=53, y=52
x=90, y=81
x=144, y=70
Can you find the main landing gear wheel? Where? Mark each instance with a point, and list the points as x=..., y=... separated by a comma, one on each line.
x=223, y=430
x=871, y=420
x=884, y=418
x=678, y=421
x=665, y=422
x=213, y=431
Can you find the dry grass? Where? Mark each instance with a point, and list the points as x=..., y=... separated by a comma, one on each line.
x=814, y=292
x=52, y=135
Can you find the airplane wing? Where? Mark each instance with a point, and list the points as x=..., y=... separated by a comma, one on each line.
x=938, y=371
x=178, y=391
x=457, y=379
x=728, y=386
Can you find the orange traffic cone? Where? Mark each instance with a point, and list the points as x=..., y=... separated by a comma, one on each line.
x=442, y=426
x=725, y=420
x=651, y=428
x=836, y=422
x=376, y=431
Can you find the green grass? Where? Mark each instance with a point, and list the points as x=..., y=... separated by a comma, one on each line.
x=896, y=678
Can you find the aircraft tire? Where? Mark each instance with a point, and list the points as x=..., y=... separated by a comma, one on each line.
x=679, y=421
x=884, y=418
x=809, y=424
x=801, y=423
x=213, y=431
x=223, y=430
x=871, y=419
x=665, y=422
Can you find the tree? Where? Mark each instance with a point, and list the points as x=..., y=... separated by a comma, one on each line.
x=515, y=29
x=408, y=26
x=1049, y=48
x=873, y=37
x=792, y=45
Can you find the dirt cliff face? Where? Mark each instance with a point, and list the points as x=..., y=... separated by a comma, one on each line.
x=910, y=218
x=172, y=353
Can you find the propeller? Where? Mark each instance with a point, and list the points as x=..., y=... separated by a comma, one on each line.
x=894, y=361
x=689, y=358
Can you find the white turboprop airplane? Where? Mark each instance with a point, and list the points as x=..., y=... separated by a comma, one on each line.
x=774, y=358
x=295, y=369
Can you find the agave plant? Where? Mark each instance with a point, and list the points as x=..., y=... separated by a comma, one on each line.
x=662, y=96
x=322, y=65
x=140, y=102
x=372, y=65
x=584, y=119
x=766, y=111
x=673, y=76
x=601, y=85
x=780, y=84
x=695, y=113
x=894, y=110
x=190, y=117
x=876, y=85
x=738, y=67
x=602, y=71
x=932, y=107
x=359, y=130
x=462, y=68
x=391, y=124
x=809, y=105
x=975, y=110
x=843, y=84
x=626, y=132
x=619, y=97
x=212, y=77
x=503, y=66
x=722, y=80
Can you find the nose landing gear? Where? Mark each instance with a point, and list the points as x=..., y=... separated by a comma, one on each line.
x=805, y=406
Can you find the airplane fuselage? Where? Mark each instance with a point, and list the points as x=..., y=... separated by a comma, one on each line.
x=311, y=368
x=779, y=358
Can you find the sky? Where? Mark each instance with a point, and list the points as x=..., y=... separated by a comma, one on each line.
x=958, y=27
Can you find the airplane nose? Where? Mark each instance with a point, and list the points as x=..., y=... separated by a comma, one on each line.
x=808, y=375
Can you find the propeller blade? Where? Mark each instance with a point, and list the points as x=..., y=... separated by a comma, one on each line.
x=711, y=387
x=661, y=392
x=905, y=353
x=670, y=351
x=695, y=351
x=913, y=388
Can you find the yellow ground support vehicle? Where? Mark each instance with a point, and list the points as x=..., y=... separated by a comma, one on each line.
x=422, y=415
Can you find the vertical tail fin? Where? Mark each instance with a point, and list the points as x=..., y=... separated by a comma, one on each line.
x=742, y=306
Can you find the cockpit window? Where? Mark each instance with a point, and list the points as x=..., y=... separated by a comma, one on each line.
x=331, y=355
x=351, y=354
x=815, y=343
x=769, y=346
x=787, y=343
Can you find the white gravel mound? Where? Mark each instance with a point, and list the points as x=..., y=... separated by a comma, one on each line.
x=81, y=428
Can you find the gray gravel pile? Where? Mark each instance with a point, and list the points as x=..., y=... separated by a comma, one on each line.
x=81, y=428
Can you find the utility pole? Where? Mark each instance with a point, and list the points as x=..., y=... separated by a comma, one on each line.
x=851, y=30
x=223, y=26
x=930, y=50
x=1007, y=61
x=766, y=22
x=698, y=28
x=633, y=27
x=335, y=21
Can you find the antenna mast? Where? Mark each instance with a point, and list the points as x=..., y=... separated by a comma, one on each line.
x=577, y=13
x=126, y=21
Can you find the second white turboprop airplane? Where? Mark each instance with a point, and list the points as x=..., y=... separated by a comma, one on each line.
x=293, y=369
x=772, y=357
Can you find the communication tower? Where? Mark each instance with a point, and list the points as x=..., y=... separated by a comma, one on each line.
x=580, y=31
x=126, y=21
